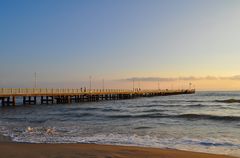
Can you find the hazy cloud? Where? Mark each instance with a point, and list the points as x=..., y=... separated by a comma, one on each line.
x=189, y=78
x=150, y=79
x=236, y=77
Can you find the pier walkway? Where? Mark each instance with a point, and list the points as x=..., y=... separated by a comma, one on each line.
x=59, y=96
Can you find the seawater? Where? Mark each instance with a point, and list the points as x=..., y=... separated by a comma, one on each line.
x=204, y=122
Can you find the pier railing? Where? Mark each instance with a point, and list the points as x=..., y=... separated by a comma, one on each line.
x=52, y=90
x=19, y=91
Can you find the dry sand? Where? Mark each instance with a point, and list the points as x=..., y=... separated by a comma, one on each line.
x=15, y=150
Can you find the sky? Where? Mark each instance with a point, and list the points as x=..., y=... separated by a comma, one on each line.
x=168, y=41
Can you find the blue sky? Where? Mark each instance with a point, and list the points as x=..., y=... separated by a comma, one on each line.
x=66, y=41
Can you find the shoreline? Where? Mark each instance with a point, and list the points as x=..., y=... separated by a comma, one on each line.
x=6, y=139
x=22, y=150
x=62, y=150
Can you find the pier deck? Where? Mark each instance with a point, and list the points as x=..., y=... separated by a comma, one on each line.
x=58, y=96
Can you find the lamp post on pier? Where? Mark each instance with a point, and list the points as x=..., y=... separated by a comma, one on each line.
x=133, y=84
x=35, y=80
x=90, y=83
x=190, y=86
x=103, y=86
x=139, y=87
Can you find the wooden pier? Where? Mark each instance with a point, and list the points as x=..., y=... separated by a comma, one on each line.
x=29, y=96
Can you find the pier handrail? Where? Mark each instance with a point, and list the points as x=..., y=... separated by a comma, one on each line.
x=39, y=91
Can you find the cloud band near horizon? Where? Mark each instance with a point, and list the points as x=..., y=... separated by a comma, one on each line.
x=189, y=78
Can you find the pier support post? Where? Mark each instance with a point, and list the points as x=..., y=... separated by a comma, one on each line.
x=3, y=102
x=52, y=100
x=82, y=98
x=46, y=99
x=29, y=100
x=8, y=101
x=24, y=100
x=14, y=101
x=69, y=99
x=41, y=99
x=35, y=100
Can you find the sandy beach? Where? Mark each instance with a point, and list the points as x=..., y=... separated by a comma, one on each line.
x=21, y=150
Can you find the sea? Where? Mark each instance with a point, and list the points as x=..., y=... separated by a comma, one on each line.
x=204, y=122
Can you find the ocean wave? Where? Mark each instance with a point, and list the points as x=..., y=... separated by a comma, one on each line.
x=211, y=142
x=153, y=115
x=148, y=106
x=72, y=115
x=183, y=116
x=194, y=101
x=228, y=101
x=142, y=127
x=110, y=110
x=197, y=105
x=89, y=108
x=157, y=105
x=37, y=121
x=215, y=144
x=154, y=110
x=209, y=117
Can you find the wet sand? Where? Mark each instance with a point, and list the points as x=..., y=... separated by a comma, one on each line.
x=22, y=150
